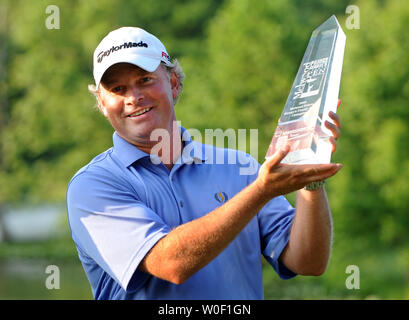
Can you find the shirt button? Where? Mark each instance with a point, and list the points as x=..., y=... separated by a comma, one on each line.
x=181, y=203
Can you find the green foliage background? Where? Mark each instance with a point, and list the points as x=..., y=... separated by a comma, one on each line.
x=240, y=58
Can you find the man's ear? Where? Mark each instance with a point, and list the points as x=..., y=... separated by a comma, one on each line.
x=101, y=106
x=174, y=84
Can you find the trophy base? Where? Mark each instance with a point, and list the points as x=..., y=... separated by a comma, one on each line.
x=308, y=144
x=311, y=155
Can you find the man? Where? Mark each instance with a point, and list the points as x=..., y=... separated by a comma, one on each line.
x=171, y=224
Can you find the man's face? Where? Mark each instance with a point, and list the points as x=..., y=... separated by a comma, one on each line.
x=136, y=101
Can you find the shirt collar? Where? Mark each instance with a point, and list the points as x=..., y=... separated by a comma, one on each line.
x=125, y=151
x=128, y=153
x=192, y=150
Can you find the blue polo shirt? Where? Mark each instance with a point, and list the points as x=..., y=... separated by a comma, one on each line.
x=123, y=202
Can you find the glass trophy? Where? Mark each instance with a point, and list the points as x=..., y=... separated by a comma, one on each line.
x=313, y=95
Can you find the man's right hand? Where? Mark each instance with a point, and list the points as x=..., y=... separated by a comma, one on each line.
x=276, y=178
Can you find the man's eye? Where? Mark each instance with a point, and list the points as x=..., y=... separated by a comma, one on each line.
x=118, y=89
x=146, y=79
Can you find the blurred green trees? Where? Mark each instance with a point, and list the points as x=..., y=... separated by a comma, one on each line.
x=240, y=58
x=376, y=115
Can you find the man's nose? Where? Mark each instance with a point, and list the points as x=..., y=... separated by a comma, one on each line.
x=134, y=96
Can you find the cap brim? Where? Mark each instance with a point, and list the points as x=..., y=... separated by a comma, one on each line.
x=146, y=63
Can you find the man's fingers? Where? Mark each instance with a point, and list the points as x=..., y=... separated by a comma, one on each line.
x=336, y=132
x=327, y=174
x=333, y=142
x=336, y=118
x=278, y=156
x=318, y=172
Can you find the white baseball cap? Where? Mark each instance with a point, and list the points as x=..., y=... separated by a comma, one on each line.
x=131, y=45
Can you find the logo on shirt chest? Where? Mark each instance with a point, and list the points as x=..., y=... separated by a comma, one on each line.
x=221, y=197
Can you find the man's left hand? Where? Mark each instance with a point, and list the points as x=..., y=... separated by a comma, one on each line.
x=335, y=128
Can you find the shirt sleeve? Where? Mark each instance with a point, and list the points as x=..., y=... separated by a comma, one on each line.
x=275, y=221
x=112, y=226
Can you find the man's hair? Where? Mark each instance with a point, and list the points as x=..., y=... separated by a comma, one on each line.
x=175, y=67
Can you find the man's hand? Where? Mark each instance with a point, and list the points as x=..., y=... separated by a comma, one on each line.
x=276, y=178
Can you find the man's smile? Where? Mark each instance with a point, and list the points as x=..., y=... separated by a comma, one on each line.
x=140, y=112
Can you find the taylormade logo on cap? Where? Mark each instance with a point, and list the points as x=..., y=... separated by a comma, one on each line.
x=129, y=45
x=103, y=54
